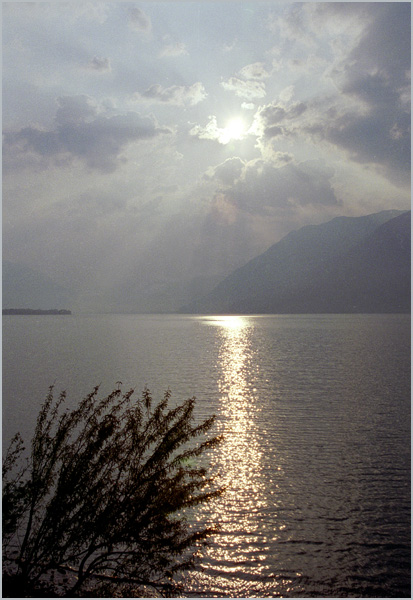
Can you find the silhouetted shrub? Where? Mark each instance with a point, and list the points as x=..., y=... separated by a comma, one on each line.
x=98, y=501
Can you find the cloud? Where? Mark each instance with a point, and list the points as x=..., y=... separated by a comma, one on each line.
x=174, y=49
x=83, y=132
x=177, y=95
x=292, y=25
x=139, y=21
x=262, y=187
x=306, y=25
x=381, y=55
x=249, y=90
x=369, y=116
x=277, y=119
x=255, y=203
x=376, y=74
x=227, y=172
x=287, y=94
x=254, y=71
x=99, y=64
x=280, y=159
x=212, y=132
x=341, y=19
x=75, y=109
x=249, y=82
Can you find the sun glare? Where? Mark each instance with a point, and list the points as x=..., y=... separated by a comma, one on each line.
x=234, y=130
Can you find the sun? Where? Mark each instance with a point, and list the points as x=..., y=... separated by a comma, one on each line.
x=234, y=130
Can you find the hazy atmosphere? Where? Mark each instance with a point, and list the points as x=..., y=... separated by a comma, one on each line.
x=152, y=148
x=206, y=299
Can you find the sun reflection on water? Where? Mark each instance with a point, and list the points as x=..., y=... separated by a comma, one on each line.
x=242, y=453
x=238, y=554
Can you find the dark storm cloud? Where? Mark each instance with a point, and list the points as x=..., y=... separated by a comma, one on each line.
x=84, y=133
x=377, y=138
x=377, y=74
x=385, y=45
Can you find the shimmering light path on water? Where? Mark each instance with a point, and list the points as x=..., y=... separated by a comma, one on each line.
x=315, y=410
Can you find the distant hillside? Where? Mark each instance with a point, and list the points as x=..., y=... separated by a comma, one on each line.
x=24, y=287
x=350, y=264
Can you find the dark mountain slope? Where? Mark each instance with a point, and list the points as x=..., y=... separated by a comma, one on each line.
x=376, y=274
x=350, y=264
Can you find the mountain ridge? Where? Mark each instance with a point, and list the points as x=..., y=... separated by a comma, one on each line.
x=310, y=271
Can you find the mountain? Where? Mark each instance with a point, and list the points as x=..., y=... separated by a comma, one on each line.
x=350, y=264
x=24, y=287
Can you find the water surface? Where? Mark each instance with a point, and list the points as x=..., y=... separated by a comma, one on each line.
x=316, y=415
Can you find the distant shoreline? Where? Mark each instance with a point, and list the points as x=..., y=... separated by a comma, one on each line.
x=35, y=311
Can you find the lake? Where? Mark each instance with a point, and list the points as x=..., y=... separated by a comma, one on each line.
x=315, y=410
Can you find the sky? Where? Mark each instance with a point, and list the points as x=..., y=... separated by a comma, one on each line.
x=151, y=148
